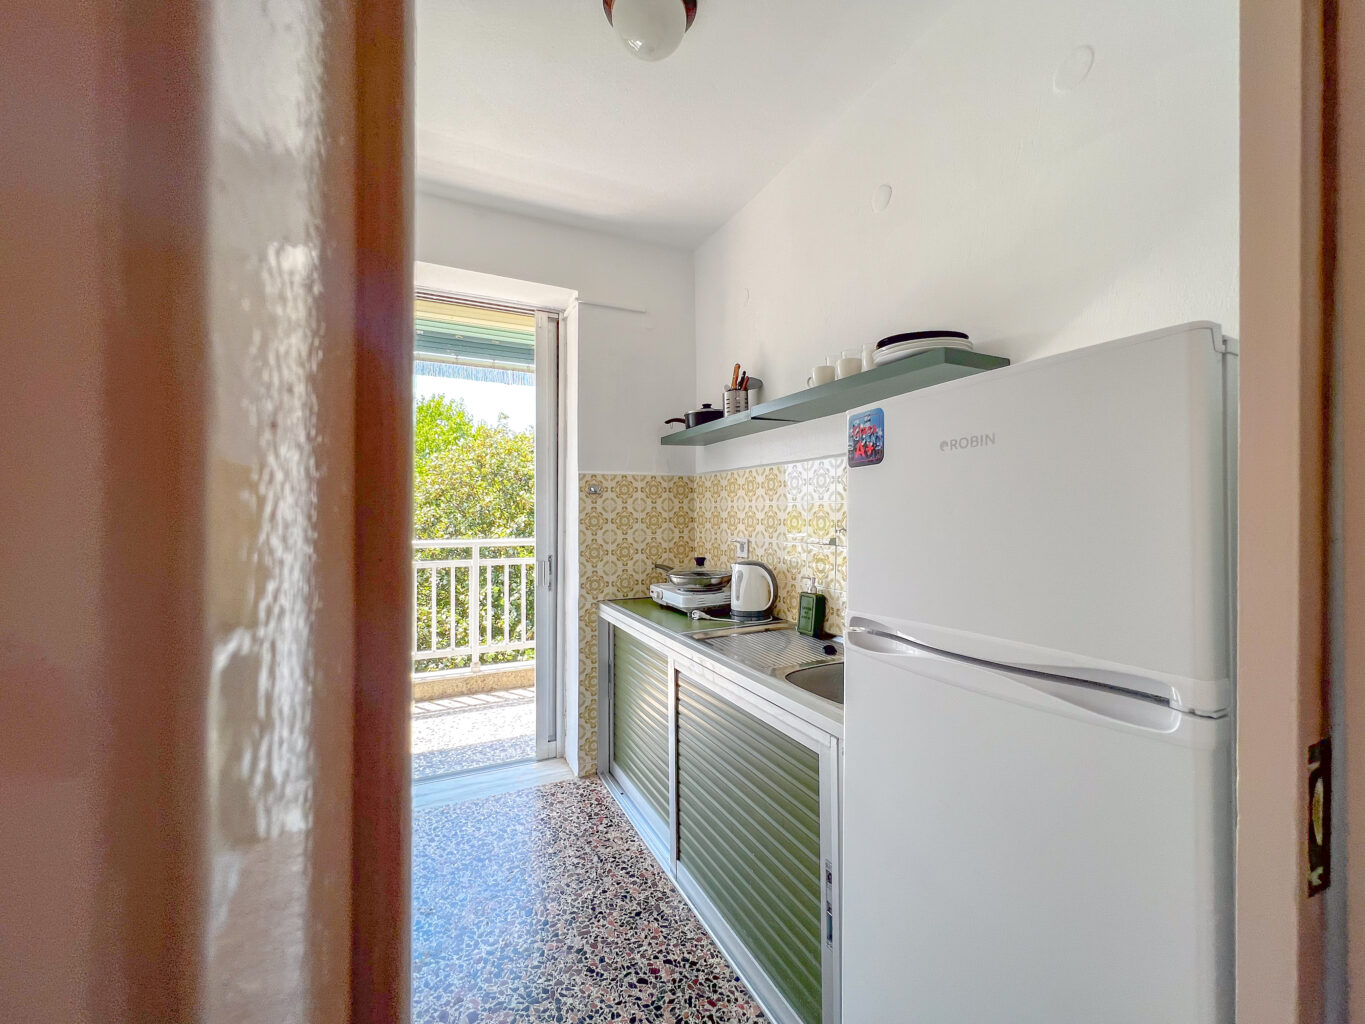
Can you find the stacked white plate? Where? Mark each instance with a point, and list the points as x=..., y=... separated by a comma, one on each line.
x=903, y=349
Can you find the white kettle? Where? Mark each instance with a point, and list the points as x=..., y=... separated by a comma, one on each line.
x=753, y=590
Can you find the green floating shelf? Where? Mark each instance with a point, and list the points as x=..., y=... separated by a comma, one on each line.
x=922, y=370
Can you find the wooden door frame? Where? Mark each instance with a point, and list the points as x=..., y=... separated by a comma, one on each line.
x=1296, y=327
x=381, y=884
x=1301, y=513
x=1349, y=471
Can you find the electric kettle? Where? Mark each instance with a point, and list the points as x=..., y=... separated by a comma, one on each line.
x=753, y=591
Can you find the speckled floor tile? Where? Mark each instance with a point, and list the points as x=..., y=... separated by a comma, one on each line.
x=469, y=735
x=543, y=905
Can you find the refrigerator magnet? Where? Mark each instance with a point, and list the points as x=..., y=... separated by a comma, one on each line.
x=866, y=438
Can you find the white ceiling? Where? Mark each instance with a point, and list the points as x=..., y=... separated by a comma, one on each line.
x=534, y=105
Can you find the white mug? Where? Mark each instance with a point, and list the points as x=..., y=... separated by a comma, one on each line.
x=822, y=374
x=850, y=363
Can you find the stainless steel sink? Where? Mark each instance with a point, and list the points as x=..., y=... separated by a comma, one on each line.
x=824, y=680
x=814, y=665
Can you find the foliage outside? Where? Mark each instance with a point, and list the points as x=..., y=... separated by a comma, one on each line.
x=472, y=479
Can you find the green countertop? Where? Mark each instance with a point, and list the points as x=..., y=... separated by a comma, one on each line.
x=678, y=622
x=665, y=618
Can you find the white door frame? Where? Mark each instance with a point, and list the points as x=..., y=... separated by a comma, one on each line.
x=549, y=344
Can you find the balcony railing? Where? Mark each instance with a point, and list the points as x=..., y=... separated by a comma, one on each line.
x=473, y=603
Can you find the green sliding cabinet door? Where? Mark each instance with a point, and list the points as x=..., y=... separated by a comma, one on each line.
x=749, y=836
x=639, y=721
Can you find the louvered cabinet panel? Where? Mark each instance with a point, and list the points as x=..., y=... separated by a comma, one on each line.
x=639, y=721
x=749, y=837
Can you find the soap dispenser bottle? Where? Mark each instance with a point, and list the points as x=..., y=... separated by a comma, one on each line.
x=810, y=619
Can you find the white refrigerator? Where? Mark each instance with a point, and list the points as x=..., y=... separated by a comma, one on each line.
x=1038, y=796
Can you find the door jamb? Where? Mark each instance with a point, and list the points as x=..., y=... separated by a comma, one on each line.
x=550, y=695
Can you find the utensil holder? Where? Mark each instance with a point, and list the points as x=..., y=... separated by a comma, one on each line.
x=735, y=401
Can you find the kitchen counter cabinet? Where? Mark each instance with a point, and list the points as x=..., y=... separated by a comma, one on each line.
x=677, y=634
x=749, y=836
x=639, y=725
x=749, y=826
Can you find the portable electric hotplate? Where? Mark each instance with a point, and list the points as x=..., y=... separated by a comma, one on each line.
x=670, y=596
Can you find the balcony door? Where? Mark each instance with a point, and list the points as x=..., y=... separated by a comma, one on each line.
x=485, y=490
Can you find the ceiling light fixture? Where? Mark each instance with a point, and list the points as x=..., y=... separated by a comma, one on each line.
x=651, y=29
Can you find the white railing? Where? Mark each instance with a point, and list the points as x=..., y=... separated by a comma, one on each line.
x=472, y=605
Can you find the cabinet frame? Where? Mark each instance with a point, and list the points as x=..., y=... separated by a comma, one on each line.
x=663, y=838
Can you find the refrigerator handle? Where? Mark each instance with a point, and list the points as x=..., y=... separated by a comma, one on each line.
x=1143, y=710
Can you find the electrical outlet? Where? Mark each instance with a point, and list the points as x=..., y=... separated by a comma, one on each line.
x=741, y=547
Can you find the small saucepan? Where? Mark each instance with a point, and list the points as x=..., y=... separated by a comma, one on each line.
x=696, y=417
x=700, y=578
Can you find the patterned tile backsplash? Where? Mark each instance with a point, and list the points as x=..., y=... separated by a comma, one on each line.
x=793, y=516
x=794, y=519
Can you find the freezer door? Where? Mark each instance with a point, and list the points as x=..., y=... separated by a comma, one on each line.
x=1013, y=855
x=1067, y=514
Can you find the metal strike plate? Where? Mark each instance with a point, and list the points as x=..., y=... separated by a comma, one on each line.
x=1319, y=816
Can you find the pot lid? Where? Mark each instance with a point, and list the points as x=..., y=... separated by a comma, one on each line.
x=700, y=572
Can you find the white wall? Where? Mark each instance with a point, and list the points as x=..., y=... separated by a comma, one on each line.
x=1034, y=219
x=635, y=361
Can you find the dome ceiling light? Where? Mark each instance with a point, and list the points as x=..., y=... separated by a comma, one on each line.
x=651, y=29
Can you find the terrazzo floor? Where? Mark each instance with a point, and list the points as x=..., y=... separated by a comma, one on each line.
x=476, y=731
x=543, y=905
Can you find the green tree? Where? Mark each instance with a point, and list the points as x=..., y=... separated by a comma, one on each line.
x=471, y=479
